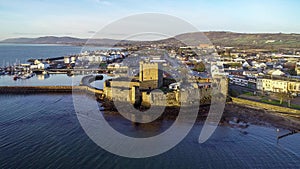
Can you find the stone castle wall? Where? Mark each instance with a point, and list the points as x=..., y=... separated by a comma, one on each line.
x=175, y=98
x=130, y=92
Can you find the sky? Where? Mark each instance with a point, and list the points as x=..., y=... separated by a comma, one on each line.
x=82, y=18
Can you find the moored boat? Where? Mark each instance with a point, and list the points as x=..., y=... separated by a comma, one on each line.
x=16, y=77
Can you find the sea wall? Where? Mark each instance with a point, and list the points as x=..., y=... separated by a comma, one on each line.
x=46, y=89
x=265, y=106
x=35, y=89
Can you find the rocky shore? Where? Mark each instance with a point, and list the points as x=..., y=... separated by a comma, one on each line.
x=260, y=116
x=236, y=115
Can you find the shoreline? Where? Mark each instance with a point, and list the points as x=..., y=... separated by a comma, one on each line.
x=234, y=114
x=260, y=116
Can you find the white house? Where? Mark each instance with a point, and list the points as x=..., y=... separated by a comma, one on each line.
x=67, y=59
x=36, y=62
x=33, y=67
x=278, y=73
x=43, y=65
x=246, y=65
x=174, y=86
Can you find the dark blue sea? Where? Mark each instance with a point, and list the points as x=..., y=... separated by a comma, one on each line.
x=43, y=131
x=11, y=54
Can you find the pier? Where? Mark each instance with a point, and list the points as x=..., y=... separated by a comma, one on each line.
x=38, y=89
x=48, y=89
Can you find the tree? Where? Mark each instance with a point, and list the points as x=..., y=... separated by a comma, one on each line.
x=200, y=67
x=282, y=96
x=292, y=72
x=289, y=98
x=235, y=65
x=228, y=51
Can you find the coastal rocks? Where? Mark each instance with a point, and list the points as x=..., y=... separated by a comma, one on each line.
x=237, y=123
x=237, y=116
x=258, y=116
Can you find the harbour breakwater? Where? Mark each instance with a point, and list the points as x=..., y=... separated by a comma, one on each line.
x=35, y=89
x=47, y=89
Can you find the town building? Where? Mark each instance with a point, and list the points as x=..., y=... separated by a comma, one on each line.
x=271, y=85
x=43, y=65
x=278, y=85
x=297, y=68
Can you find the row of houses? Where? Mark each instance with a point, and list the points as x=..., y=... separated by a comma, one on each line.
x=268, y=84
x=55, y=63
x=245, y=81
x=278, y=85
x=101, y=56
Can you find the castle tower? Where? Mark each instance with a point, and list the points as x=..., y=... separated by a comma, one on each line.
x=151, y=75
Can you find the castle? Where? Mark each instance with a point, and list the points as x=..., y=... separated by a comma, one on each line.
x=141, y=90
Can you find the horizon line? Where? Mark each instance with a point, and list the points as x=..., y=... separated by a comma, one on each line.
x=206, y=31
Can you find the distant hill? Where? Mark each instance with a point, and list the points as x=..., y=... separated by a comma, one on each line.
x=238, y=40
x=60, y=40
x=255, y=40
x=46, y=40
x=267, y=41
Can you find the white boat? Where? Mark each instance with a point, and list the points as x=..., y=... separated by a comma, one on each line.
x=26, y=76
x=45, y=72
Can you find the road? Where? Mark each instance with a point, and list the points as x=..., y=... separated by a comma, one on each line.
x=240, y=89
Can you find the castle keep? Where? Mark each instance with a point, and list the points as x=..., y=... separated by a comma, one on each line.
x=151, y=75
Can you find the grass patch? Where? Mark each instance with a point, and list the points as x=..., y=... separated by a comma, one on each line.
x=248, y=94
x=277, y=103
x=274, y=102
x=294, y=106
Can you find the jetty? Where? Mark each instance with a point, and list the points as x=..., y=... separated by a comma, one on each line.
x=38, y=89
x=48, y=89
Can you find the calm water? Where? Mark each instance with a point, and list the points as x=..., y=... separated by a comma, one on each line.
x=42, y=131
x=51, y=80
x=42, y=80
x=20, y=53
